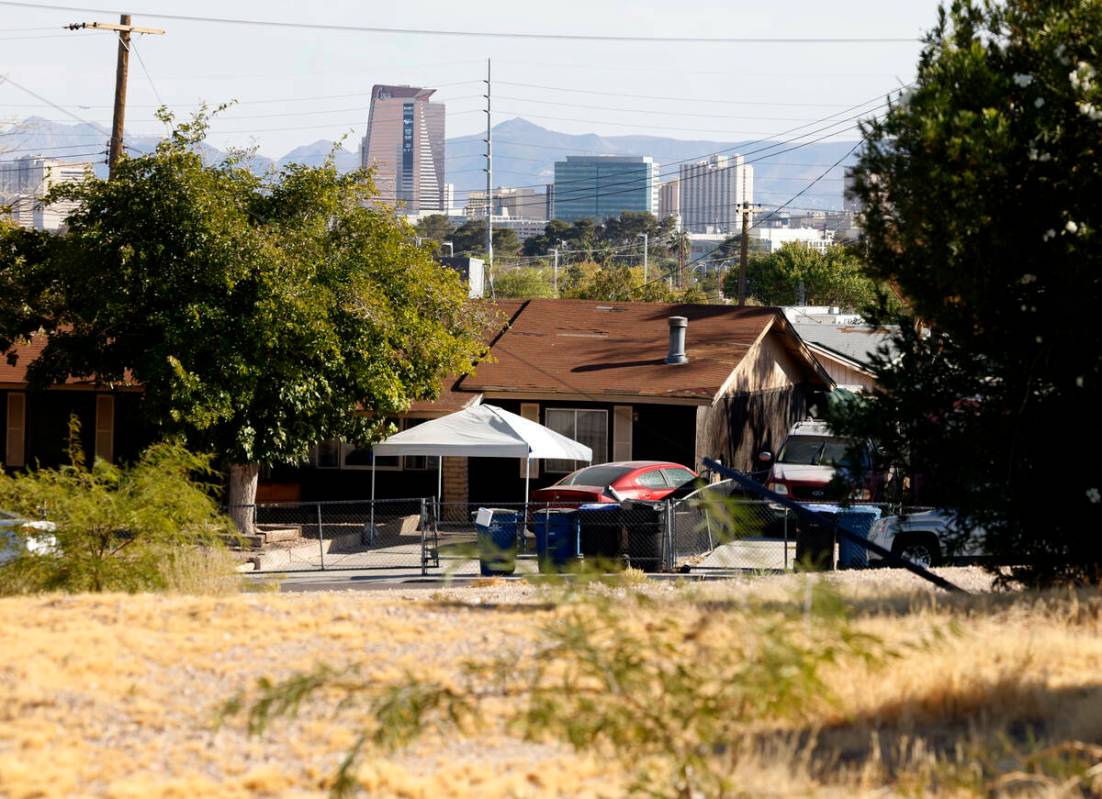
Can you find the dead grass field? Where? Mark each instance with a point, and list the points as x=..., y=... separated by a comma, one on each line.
x=117, y=696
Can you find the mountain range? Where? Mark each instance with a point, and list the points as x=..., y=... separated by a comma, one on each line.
x=524, y=155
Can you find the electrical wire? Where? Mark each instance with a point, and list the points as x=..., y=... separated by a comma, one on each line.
x=523, y=35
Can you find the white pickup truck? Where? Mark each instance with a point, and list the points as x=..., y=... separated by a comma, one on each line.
x=923, y=538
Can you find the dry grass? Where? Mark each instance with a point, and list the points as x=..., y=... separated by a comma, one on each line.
x=116, y=695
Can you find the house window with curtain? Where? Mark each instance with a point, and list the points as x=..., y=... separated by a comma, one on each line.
x=589, y=427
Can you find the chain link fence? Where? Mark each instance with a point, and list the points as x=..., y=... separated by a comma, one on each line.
x=719, y=528
x=320, y=536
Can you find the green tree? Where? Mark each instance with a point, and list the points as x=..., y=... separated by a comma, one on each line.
x=798, y=275
x=524, y=283
x=260, y=315
x=435, y=227
x=981, y=192
x=470, y=237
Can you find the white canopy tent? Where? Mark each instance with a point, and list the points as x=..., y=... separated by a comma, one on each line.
x=484, y=431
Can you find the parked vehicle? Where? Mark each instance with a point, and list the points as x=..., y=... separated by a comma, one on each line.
x=924, y=538
x=611, y=482
x=810, y=458
x=19, y=536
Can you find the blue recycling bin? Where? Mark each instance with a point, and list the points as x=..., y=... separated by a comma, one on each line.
x=859, y=520
x=497, y=541
x=558, y=544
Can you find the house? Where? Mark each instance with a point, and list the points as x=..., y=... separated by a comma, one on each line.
x=36, y=424
x=598, y=372
x=843, y=344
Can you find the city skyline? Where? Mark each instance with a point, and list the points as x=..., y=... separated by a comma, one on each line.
x=299, y=85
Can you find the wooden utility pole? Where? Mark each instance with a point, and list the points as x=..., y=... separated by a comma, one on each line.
x=122, y=66
x=744, y=253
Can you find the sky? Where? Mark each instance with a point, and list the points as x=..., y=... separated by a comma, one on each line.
x=295, y=86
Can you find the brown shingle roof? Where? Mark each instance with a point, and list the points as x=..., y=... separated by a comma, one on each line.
x=452, y=398
x=583, y=347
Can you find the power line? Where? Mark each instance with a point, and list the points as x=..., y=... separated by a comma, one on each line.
x=716, y=100
x=524, y=35
x=22, y=88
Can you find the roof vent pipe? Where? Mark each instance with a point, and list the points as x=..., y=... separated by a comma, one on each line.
x=678, y=326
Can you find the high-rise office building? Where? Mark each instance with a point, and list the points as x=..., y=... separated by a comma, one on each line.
x=712, y=193
x=405, y=147
x=604, y=186
x=669, y=199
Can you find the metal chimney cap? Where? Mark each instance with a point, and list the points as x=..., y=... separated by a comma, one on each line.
x=676, y=353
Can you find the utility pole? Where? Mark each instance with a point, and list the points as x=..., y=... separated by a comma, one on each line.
x=122, y=67
x=681, y=260
x=744, y=253
x=646, y=241
x=489, y=183
x=555, y=271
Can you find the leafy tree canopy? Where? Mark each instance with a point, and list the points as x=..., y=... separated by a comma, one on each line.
x=260, y=315
x=799, y=275
x=981, y=190
x=470, y=237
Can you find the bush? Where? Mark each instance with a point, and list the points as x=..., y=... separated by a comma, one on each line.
x=147, y=527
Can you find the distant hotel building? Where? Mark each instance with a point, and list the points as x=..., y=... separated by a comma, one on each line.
x=669, y=200
x=712, y=193
x=604, y=186
x=25, y=181
x=405, y=146
x=514, y=203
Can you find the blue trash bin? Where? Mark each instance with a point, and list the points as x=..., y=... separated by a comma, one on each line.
x=497, y=541
x=557, y=539
x=859, y=520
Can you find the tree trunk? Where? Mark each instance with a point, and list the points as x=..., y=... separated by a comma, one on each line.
x=242, y=499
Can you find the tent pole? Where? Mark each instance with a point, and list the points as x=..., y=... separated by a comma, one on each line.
x=439, y=484
x=527, y=472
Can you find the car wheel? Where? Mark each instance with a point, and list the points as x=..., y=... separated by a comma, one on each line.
x=921, y=551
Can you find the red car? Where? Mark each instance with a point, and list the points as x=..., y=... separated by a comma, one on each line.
x=629, y=479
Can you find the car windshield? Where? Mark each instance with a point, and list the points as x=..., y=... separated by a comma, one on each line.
x=595, y=476
x=816, y=451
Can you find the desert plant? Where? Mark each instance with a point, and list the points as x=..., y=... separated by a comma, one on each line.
x=667, y=691
x=153, y=525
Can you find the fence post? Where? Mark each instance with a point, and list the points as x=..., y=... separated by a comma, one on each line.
x=786, y=539
x=424, y=539
x=667, y=561
x=321, y=538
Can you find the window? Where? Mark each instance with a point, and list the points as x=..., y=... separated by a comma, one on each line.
x=584, y=426
x=327, y=454
x=353, y=457
x=652, y=479
x=336, y=454
x=678, y=477
x=17, y=426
